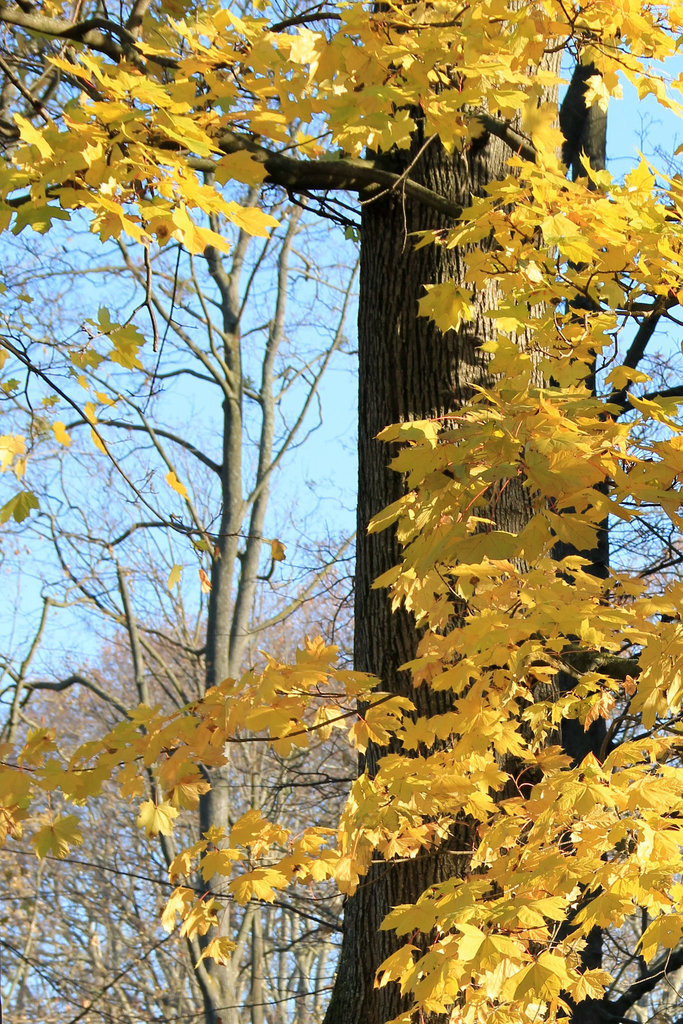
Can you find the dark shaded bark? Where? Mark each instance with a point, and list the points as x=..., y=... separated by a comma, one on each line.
x=584, y=128
x=585, y=134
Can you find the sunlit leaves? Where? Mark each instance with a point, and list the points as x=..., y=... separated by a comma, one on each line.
x=197, y=916
x=149, y=150
x=446, y=306
x=665, y=932
x=34, y=138
x=157, y=818
x=12, y=451
x=259, y=884
x=57, y=837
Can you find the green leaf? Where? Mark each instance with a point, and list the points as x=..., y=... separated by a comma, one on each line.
x=19, y=507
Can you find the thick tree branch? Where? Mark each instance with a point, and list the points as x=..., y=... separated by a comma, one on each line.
x=625, y=404
x=615, y=1010
x=635, y=353
x=76, y=679
x=349, y=174
x=502, y=130
x=88, y=32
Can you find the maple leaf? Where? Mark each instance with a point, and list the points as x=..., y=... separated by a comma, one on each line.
x=590, y=985
x=218, y=862
x=259, y=884
x=665, y=931
x=396, y=965
x=178, y=904
x=57, y=837
x=523, y=455
x=218, y=949
x=156, y=819
x=19, y=507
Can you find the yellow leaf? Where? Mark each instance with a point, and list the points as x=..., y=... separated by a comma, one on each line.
x=29, y=134
x=61, y=433
x=173, y=481
x=277, y=551
x=11, y=447
x=178, y=903
x=174, y=576
x=19, y=507
x=665, y=931
x=204, y=581
x=250, y=827
x=97, y=441
x=57, y=837
x=447, y=305
x=259, y=884
x=218, y=862
x=219, y=950
x=596, y=92
x=240, y=166
x=251, y=219
x=395, y=966
x=621, y=376
x=156, y=818
x=199, y=919
x=591, y=985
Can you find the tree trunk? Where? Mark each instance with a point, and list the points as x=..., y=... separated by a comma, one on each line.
x=408, y=369
x=585, y=132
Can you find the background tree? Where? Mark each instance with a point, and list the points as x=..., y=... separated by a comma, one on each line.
x=208, y=454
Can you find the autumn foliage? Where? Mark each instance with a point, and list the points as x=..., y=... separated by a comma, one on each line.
x=157, y=120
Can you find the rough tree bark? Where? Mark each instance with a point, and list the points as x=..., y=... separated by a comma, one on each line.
x=409, y=369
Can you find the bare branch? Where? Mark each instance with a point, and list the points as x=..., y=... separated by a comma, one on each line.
x=160, y=432
x=75, y=679
x=134, y=638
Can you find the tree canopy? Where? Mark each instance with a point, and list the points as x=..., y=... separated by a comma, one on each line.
x=152, y=123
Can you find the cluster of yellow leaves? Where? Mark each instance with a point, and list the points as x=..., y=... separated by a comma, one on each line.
x=285, y=705
x=143, y=147
x=602, y=838
x=133, y=146
x=562, y=245
x=145, y=142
